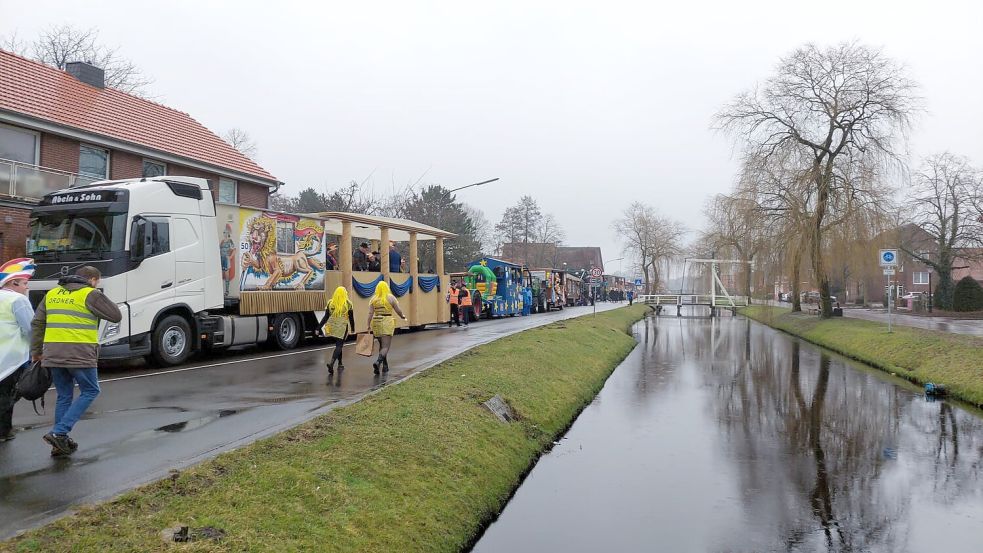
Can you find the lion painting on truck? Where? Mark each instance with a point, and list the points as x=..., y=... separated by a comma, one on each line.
x=301, y=269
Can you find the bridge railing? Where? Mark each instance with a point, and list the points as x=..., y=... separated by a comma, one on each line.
x=693, y=299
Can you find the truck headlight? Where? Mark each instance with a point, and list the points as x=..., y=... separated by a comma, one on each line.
x=112, y=329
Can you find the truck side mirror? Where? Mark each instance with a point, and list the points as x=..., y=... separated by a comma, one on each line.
x=138, y=239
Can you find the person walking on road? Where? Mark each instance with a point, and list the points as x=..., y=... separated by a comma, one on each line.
x=65, y=338
x=464, y=297
x=381, y=322
x=15, y=336
x=340, y=320
x=454, y=300
x=631, y=297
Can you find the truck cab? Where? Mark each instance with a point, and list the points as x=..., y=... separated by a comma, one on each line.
x=153, y=241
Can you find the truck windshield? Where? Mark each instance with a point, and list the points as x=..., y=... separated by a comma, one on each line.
x=96, y=233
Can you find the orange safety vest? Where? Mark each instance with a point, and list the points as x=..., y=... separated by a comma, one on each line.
x=452, y=296
x=465, y=298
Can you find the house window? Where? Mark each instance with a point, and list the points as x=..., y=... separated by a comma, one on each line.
x=920, y=278
x=93, y=163
x=153, y=168
x=228, y=191
x=18, y=144
x=285, y=237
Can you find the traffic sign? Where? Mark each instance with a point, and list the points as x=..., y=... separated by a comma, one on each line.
x=638, y=282
x=889, y=271
x=595, y=272
x=594, y=280
x=888, y=258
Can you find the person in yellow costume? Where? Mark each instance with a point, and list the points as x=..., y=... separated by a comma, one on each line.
x=382, y=324
x=338, y=321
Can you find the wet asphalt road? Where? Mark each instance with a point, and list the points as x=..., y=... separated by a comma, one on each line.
x=728, y=436
x=147, y=422
x=973, y=327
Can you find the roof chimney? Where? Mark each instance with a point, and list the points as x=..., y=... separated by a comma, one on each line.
x=87, y=73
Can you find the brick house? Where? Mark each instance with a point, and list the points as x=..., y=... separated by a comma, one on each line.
x=911, y=275
x=63, y=128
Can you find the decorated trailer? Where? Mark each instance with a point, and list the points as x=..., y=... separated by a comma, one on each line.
x=550, y=289
x=501, y=286
x=189, y=274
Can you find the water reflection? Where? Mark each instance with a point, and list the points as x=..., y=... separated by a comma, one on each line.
x=784, y=448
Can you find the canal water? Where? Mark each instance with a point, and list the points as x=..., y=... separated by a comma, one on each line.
x=727, y=436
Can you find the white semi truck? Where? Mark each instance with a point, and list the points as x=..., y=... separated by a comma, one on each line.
x=177, y=265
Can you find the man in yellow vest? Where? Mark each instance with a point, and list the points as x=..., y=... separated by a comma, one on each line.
x=65, y=338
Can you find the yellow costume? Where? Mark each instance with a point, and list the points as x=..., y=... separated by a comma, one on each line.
x=383, y=323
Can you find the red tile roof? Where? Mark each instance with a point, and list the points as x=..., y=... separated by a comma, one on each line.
x=36, y=90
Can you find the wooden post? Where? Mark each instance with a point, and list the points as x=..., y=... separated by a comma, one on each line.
x=384, y=253
x=441, y=304
x=345, y=253
x=413, y=315
x=440, y=256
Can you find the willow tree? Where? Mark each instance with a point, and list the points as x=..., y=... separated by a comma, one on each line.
x=844, y=101
x=734, y=221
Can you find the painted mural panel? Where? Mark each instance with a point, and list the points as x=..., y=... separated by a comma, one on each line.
x=278, y=251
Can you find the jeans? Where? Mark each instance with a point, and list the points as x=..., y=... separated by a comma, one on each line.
x=68, y=412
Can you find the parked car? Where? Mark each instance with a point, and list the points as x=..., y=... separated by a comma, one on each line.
x=813, y=297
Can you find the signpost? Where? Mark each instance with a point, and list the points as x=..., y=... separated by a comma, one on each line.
x=595, y=282
x=888, y=260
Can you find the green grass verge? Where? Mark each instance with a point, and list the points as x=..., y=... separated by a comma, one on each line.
x=914, y=354
x=419, y=466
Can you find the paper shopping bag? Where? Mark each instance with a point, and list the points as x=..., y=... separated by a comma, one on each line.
x=363, y=344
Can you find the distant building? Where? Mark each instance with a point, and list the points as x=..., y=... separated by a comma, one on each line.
x=64, y=128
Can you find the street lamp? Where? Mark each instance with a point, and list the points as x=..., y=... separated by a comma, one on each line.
x=475, y=184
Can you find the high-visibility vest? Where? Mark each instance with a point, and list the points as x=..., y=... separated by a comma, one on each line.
x=452, y=296
x=68, y=319
x=465, y=298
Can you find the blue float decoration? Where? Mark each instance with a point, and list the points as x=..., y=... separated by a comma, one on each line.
x=428, y=283
x=400, y=290
x=365, y=290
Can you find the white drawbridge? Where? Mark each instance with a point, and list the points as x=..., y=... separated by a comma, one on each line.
x=718, y=295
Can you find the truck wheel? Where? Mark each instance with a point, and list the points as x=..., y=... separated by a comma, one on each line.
x=286, y=331
x=172, y=341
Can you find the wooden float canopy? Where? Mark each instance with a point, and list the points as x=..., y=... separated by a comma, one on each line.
x=370, y=227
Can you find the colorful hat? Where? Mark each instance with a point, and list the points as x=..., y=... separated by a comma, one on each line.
x=22, y=267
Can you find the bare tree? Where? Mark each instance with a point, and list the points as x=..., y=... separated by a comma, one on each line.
x=59, y=44
x=944, y=197
x=840, y=105
x=242, y=141
x=649, y=238
x=549, y=236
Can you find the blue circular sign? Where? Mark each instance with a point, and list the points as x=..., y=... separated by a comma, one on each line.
x=888, y=257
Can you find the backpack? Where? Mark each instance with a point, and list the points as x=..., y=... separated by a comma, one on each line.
x=33, y=384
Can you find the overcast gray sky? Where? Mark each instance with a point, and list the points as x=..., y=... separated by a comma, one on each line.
x=584, y=105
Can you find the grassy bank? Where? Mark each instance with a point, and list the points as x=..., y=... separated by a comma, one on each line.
x=420, y=466
x=914, y=354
